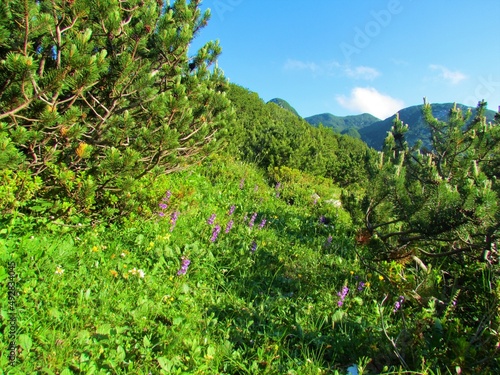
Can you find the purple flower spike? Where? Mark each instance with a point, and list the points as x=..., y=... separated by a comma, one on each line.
x=184, y=266
x=211, y=219
x=252, y=219
x=398, y=304
x=231, y=210
x=173, y=220
x=215, y=233
x=262, y=223
x=229, y=226
x=342, y=294
x=163, y=206
x=253, y=247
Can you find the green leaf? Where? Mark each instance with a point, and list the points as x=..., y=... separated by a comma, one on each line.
x=104, y=329
x=165, y=363
x=177, y=320
x=55, y=313
x=120, y=353
x=185, y=288
x=25, y=342
x=337, y=316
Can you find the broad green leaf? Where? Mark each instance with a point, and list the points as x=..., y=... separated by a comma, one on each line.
x=104, y=329
x=165, y=363
x=25, y=342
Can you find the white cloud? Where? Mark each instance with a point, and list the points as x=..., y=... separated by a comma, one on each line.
x=369, y=100
x=453, y=77
x=332, y=68
x=362, y=72
x=302, y=65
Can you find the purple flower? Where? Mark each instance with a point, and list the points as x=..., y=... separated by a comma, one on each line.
x=262, y=223
x=167, y=196
x=342, y=294
x=322, y=219
x=253, y=247
x=215, y=233
x=211, y=219
x=184, y=266
x=398, y=304
x=329, y=239
x=231, y=210
x=361, y=286
x=278, y=185
x=229, y=226
x=252, y=219
x=173, y=220
x=242, y=183
x=163, y=206
x=161, y=214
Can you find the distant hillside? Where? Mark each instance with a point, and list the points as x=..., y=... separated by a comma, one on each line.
x=342, y=124
x=285, y=105
x=374, y=135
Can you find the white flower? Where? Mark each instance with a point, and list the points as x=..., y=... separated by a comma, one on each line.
x=59, y=270
x=141, y=274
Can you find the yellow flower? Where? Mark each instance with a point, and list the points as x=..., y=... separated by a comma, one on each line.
x=352, y=272
x=367, y=284
x=124, y=266
x=95, y=249
x=59, y=270
x=380, y=277
x=113, y=273
x=151, y=244
x=125, y=275
x=168, y=298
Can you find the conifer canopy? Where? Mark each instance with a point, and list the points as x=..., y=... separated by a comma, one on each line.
x=96, y=95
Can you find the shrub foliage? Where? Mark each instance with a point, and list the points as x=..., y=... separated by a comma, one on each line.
x=92, y=104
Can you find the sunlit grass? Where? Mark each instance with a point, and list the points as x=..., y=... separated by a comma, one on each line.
x=148, y=296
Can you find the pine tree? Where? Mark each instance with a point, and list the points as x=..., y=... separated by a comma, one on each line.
x=442, y=202
x=97, y=95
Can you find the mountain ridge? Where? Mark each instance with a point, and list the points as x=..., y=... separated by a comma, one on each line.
x=374, y=134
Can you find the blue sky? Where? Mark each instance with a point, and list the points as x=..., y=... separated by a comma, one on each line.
x=352, y=57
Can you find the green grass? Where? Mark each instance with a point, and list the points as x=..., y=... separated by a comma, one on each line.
x=83, y=307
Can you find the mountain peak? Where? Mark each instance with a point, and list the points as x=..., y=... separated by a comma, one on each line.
x=342, y=124
x=285, y=105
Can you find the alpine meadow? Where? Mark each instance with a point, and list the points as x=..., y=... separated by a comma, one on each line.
x=157, y=219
